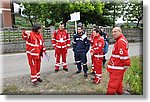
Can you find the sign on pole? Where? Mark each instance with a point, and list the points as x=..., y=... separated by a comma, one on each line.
x=75, y=17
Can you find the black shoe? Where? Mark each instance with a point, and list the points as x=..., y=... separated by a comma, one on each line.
x=77, y=72
x=35, y=84
x=39, y=79
x=56, y=70
x=85, y=75
x=65, y=69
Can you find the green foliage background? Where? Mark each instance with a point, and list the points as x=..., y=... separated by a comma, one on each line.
x=134, y=76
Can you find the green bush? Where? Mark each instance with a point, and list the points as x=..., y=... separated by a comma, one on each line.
x=134, y=76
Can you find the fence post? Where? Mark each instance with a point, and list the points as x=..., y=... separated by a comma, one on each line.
x=4, y=36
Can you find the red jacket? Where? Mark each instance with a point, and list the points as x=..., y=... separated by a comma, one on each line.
x=120, y=57
x=34, y=44
x=97, y=46
x=61, y=39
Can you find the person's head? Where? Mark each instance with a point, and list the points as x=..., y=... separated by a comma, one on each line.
x=116, y=32
x=37, y=28
x=96, y=32
x=94, y=27
x=61, y=26
x=80, y=30
x=102, y=29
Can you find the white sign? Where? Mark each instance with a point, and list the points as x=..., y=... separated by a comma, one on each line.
x=16, y=8
x=75, y=16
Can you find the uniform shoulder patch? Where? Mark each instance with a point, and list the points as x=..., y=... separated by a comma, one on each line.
x=83, y=36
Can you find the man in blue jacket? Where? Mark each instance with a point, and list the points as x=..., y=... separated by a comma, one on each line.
x=81, y=46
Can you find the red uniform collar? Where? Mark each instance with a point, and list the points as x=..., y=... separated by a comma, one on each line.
x=35, y=33
x=97, y=36
x=121, y=35
x=61, y=30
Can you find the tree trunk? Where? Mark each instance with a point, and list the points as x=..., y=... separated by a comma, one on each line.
x=64, y=21
x=139, y=21
x=30, y=21
x=65, y=18
x=114, y=16
x=138, y=24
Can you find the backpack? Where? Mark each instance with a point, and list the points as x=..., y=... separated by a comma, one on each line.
x=105, y=49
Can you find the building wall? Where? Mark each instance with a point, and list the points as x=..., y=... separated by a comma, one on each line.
x=6, y=16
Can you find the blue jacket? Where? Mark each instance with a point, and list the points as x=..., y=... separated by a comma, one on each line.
x=105, y=50
x=104, y=34
x=80, y=43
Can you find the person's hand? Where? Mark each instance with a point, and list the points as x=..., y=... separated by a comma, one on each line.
x=27, y=32
x=126, y=67
x=91, y=53
x=54, y=47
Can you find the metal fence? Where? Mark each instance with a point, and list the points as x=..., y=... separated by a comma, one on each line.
x=11, y=38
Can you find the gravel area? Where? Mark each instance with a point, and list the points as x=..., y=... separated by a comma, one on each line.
x=60, y=83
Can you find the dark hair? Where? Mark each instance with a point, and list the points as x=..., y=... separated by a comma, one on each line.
x=94, y=27
x=63, y=24
x=80, y=27
x=36, y=27
x=98, y=31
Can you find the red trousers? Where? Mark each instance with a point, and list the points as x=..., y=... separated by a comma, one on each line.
x=34, y=68
x=92, y=59
x=60, y=52
x=98, y=69
x=115, y=85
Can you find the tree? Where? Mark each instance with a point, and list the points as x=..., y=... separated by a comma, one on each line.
x=32, y=12
x=112, y=11
x=133, y=12
x=90, y=11
x=60, y=11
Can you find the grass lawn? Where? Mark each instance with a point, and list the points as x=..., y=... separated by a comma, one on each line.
x=134, y=76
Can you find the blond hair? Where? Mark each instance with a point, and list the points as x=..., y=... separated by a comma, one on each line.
x=118, y=28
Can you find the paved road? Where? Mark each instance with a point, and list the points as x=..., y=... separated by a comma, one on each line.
x=16, y=64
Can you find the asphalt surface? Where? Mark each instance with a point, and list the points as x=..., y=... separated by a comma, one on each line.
x=17, y=64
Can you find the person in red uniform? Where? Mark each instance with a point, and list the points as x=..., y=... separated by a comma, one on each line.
x=118, y=63
x=61, y=42
x=97, y=53
x=91, y=42
x=92, y=35
x=34, y=49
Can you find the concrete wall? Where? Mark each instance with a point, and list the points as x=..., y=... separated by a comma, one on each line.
x=14, y=43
